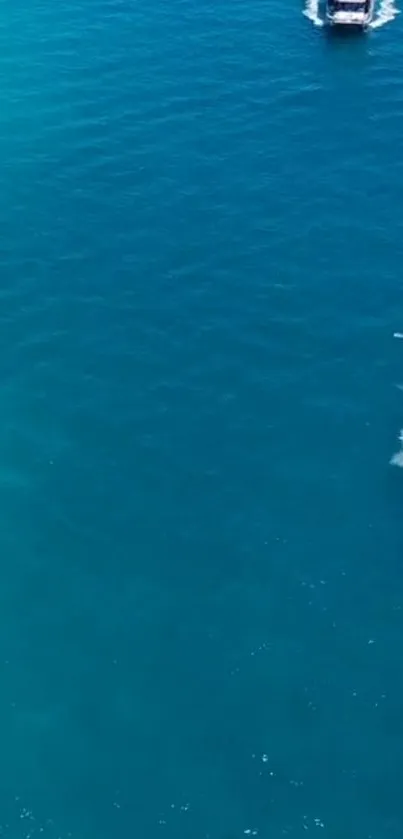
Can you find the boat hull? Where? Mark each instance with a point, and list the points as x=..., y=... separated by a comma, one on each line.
x=337, y=15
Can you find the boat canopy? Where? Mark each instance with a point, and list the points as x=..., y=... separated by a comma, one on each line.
x=349, y=5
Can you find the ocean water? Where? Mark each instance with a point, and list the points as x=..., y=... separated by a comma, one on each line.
x=201, y=577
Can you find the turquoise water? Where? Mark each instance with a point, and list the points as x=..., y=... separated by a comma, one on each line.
x=201, y=582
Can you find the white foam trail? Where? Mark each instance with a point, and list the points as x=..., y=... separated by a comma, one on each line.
x=387, y=11
x=397, y=459
x=311, y=11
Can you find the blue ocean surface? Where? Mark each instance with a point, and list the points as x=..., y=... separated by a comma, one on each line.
x=201, y=577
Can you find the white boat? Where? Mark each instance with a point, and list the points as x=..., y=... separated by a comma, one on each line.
x=351, y=13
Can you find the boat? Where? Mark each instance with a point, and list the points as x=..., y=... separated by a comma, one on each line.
x=350, y=13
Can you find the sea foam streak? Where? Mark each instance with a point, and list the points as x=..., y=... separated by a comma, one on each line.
x=387, y=11
x=397, y=459
x=311, y=11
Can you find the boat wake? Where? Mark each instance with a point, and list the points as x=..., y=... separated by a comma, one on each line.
x=397, y=459
x=386, y=12
x=311, y=11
